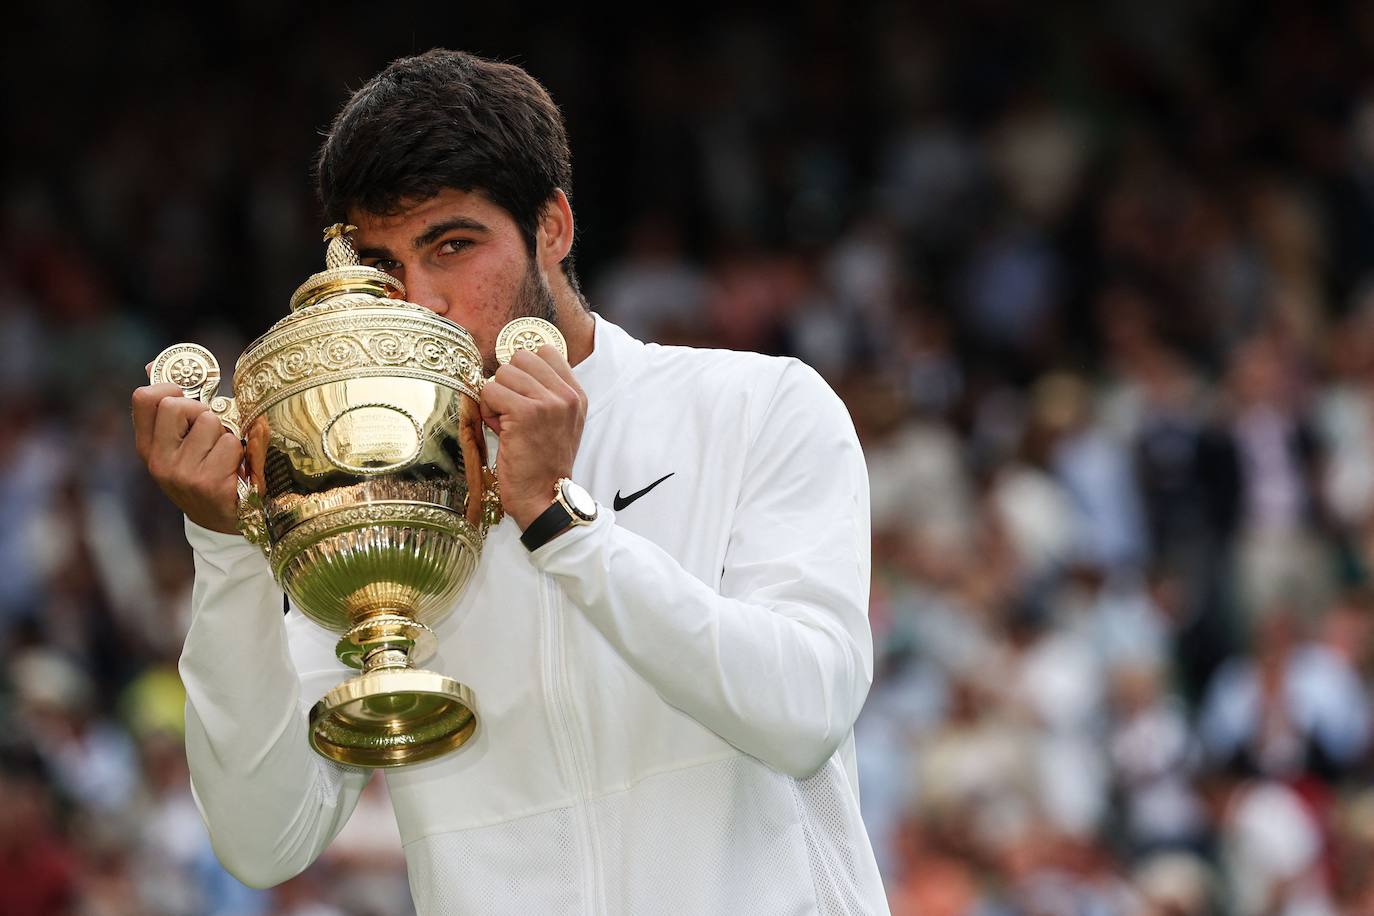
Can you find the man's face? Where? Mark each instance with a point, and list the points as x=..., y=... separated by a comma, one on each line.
x=461, y=256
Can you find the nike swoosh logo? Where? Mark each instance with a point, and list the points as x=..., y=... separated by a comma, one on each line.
x=621, y=502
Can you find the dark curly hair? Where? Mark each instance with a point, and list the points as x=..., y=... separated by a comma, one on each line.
x=447, y=119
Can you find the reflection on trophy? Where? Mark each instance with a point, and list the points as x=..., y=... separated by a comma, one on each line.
x=367, y=489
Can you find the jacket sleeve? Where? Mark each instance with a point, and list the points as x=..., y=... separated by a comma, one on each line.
x=779, y=660
x=271, y=803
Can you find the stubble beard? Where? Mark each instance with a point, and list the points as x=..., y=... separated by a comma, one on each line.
x=534, y=299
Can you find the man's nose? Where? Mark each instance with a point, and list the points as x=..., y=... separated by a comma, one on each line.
x=421, y=290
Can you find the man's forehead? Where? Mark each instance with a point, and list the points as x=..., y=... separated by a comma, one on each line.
x=412, y=212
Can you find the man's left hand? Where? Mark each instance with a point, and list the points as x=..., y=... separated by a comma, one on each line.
x=537, y=408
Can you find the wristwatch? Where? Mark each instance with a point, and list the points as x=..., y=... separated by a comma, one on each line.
x=571, y=506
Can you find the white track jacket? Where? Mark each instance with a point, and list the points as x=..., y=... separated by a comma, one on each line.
x=665, y=697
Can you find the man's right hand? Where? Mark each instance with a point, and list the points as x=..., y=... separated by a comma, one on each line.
x=190, y=454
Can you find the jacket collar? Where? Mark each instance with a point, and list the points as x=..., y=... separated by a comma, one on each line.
x=613, y=352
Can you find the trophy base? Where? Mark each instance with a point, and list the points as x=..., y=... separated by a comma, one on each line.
x=392, y=717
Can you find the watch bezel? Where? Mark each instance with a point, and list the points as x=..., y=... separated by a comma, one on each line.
x=570, y=494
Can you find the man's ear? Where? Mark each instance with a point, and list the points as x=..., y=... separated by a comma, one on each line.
x=554, y=237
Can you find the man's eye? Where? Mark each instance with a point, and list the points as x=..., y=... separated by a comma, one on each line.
x=453, y=246
x=385, y=265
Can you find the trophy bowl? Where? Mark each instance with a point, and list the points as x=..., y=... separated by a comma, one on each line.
x=368, y=490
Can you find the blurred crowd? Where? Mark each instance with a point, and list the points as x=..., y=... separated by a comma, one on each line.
x=1097, y=287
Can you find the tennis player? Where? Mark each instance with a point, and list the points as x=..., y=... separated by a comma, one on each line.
x=669, y=658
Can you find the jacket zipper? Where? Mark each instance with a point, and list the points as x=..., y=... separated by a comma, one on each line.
x=568, y=740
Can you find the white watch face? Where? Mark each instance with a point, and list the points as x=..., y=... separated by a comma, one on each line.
x=579, y=499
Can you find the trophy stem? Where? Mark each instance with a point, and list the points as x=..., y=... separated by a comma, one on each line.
x=386, y=640
x=385, y=659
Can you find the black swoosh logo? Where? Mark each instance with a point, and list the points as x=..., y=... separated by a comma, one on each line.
x=620, y=503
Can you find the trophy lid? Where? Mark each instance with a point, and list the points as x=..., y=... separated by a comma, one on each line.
x=351, y=320
x=344, y=274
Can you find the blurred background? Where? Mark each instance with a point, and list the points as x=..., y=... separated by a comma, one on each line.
x=1096, y=282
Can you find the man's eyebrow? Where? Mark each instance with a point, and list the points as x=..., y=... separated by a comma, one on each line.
x=432, y=234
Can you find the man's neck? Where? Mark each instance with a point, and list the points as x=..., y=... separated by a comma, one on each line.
x=576, y=323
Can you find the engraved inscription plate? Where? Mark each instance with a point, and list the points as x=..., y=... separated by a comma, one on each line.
x=372, y=439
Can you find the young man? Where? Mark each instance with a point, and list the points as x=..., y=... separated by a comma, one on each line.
x=667, y=691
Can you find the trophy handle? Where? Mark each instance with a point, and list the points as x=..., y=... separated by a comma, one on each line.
x=195, y=370
x=492, y=513
x=252, y=519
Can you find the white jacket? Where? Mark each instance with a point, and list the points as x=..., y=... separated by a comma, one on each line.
x=665, y=697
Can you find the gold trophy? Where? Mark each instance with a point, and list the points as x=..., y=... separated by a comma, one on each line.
x=367, y=489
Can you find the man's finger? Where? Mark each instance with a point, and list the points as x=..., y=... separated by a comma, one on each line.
x=204, y=433
x=543, y=366
x=535, y=365
x=555, y=360
x=518, y=380
x=490, y=417
x=224, y=457
x=175, y=414
x=145, y=403
x=500, y=399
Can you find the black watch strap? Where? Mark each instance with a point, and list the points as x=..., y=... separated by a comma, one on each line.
x=549, y=523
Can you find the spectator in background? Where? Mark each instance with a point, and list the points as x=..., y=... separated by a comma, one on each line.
x=1352, y=854
x=1154, y=759
x=1189, y=481
x=654, y=292
x=1294, y=708
x=1176, y=884
x=922, y=506
x=91, y=758
x=1281, y=559
x=1343, y=418
x=1095, y=471
x=38, y=869
x=1270, y=847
